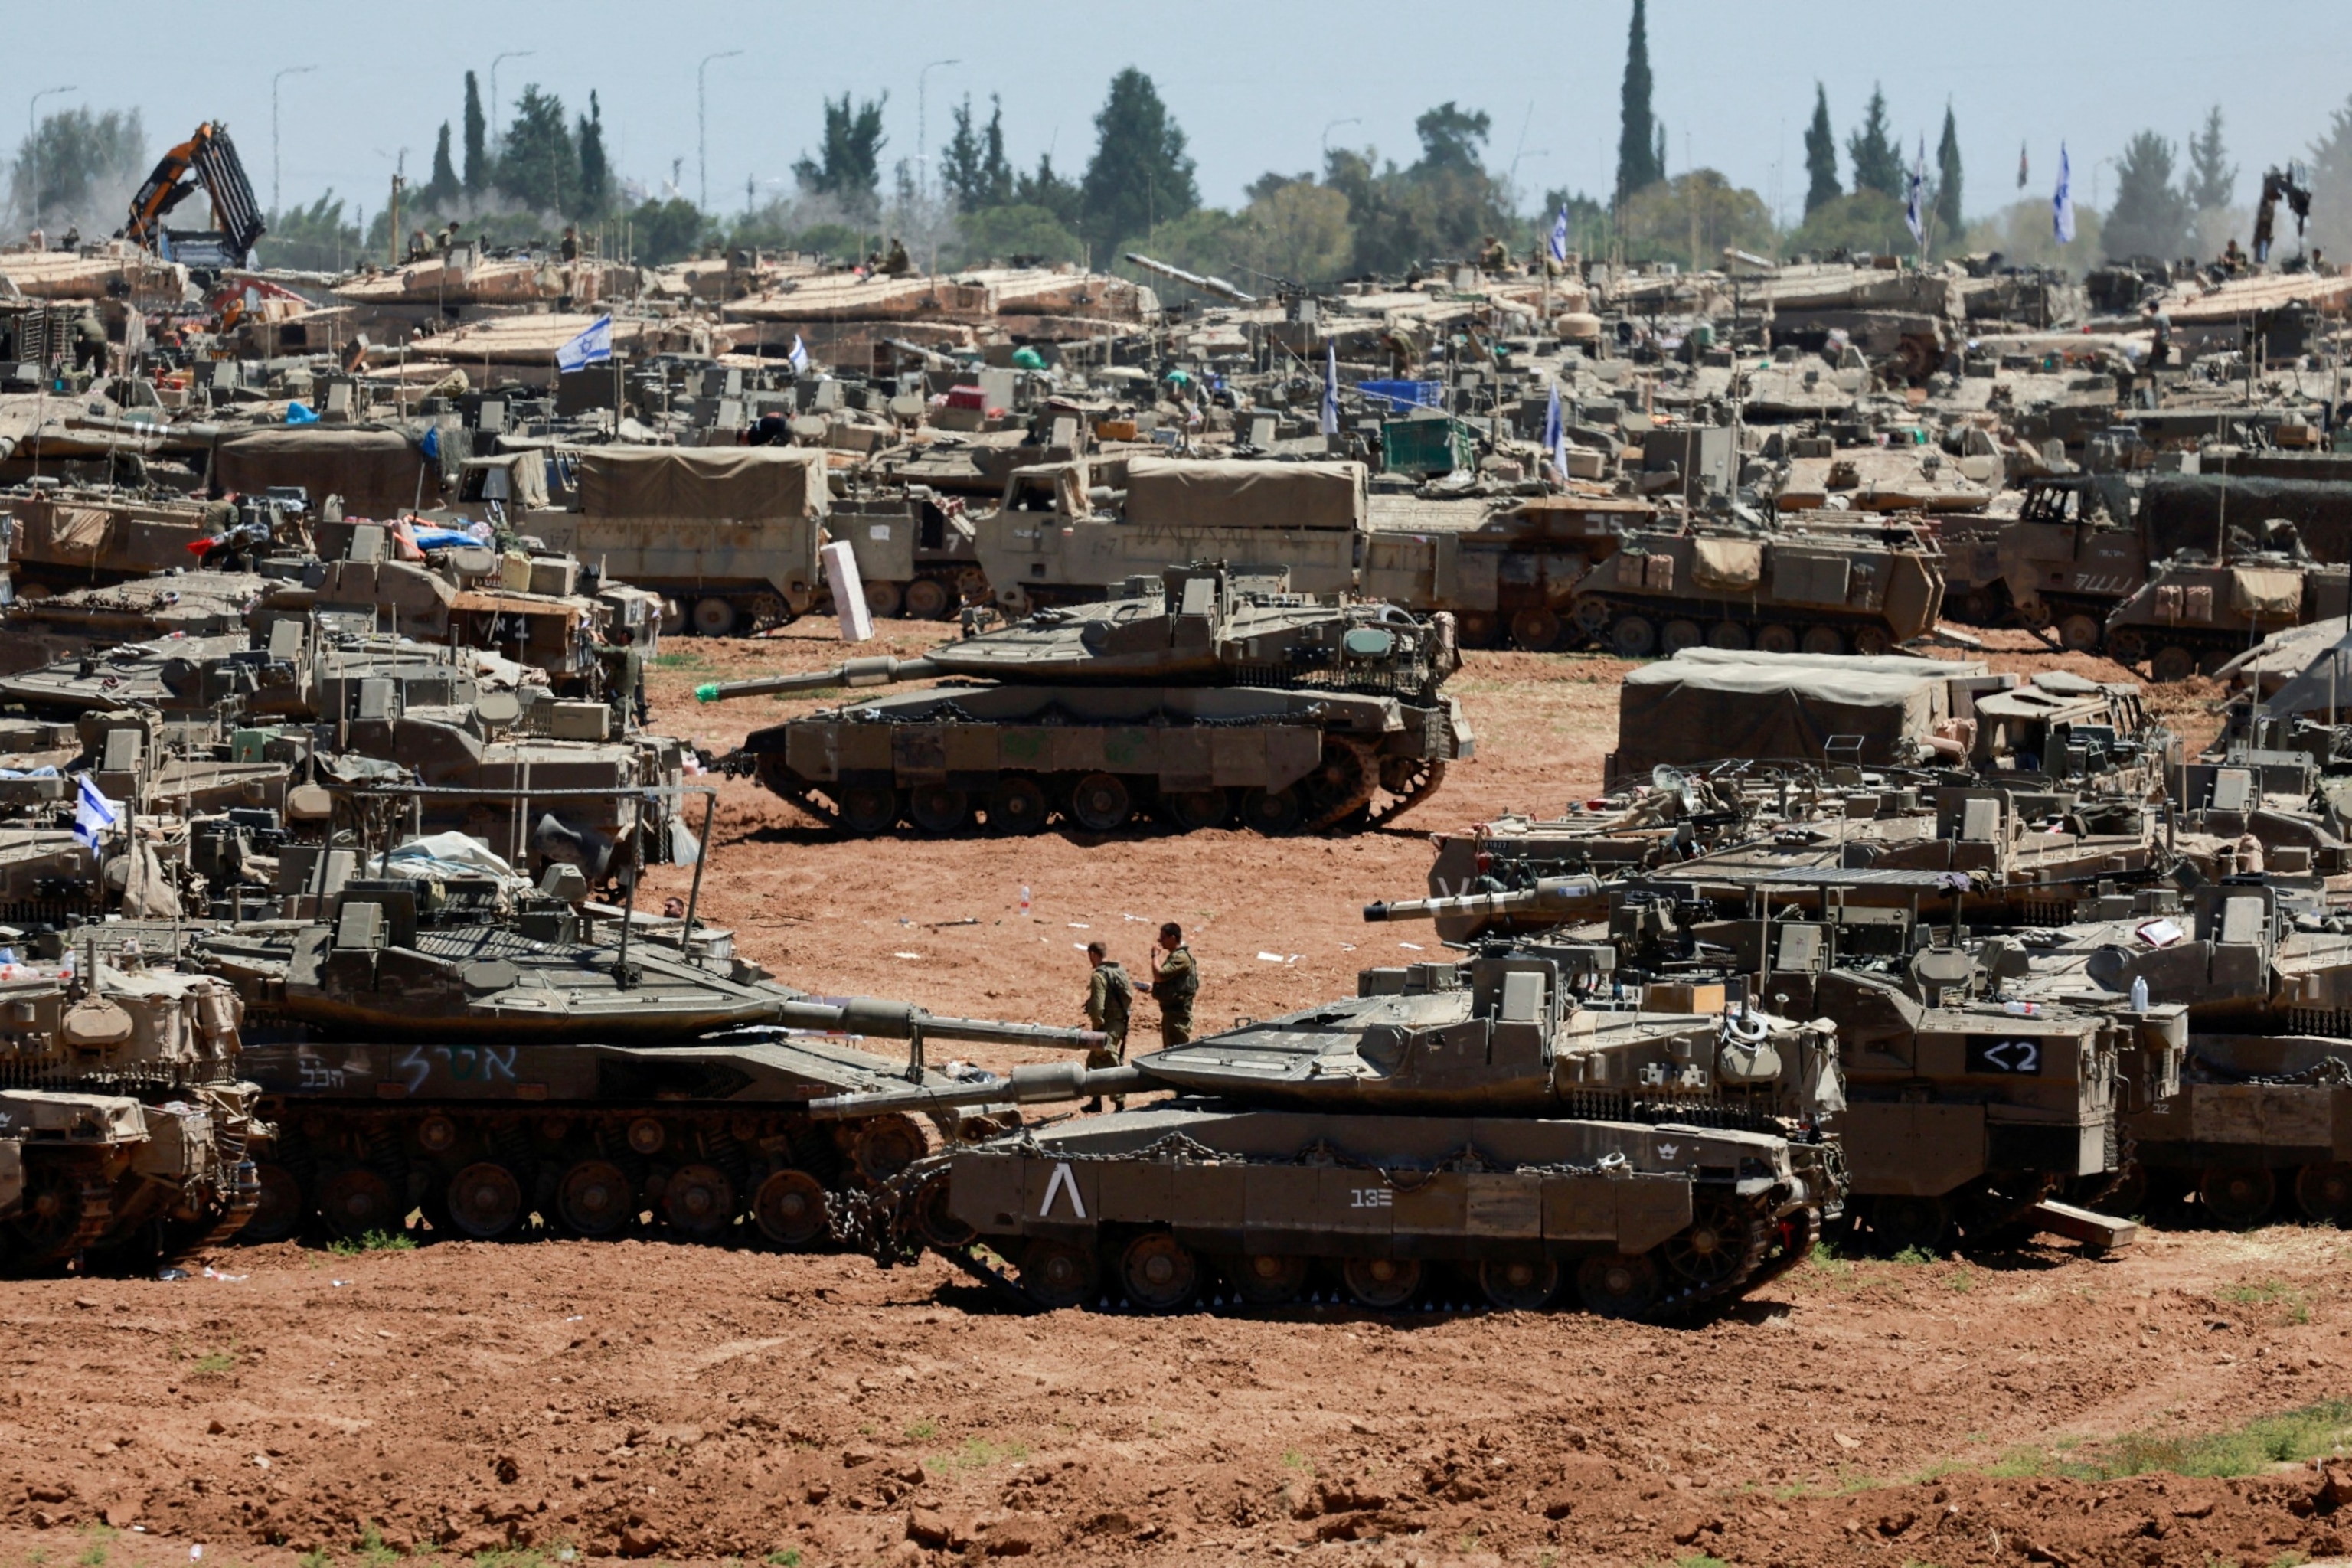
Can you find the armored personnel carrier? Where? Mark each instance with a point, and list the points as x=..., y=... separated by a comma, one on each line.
x=2191, y=615
x=2061, y=565
x=124, y=1124
x=1195, y=698
x=1493, y=1116
x=446, y=1036
x=1860, y=589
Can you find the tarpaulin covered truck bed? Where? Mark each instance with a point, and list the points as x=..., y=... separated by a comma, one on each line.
x=1686, y=711
x=745, y=484
x=376, y=472
x=1240, y=494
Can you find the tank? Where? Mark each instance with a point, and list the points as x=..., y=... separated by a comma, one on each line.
x=1490, y=1117
x=2192, y=616
x=451, y=1038
x=1860, y=589
x=124, y=1123
x=1195, y=698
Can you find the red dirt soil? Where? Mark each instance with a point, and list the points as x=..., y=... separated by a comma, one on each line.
x=693, y=1404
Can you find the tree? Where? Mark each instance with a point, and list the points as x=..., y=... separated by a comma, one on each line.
x=316, y=238
x=2331, y=184
x=848, y=165
x=1821, y=155
x=1857, y=222
x=477, y=135
x=2211, y=179
x=2149, y=216
x=441, y=191
x=1690, y=217
x=1299, y=231
x=595, y=168
x=1017, y=231
x=973, y=166
x=88, y=166
x=1047, y=190
x=539, y=166
x=1877, y=165
x=1140, y=175
x=1947, y=180
x=1452, y=139
x=665, y=231
x=1639, y=161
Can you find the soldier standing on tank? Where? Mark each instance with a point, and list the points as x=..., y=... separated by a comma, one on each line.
x=1175, y=981
x=624, y=670
x=1110, y=999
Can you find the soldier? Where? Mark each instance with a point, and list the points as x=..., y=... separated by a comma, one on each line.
x=624, y=670
x=445, y=239
x=897, y=264
x=1110, y=997
x=571, y=242
x=1175, y=981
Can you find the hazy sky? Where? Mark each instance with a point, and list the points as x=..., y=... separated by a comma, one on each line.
x=1253, y=85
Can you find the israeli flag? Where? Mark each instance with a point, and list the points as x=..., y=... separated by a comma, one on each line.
x=593, y=346
x=1329, y=422
x=93, y=813
x=1912, y=214
x=1556, y=435
x=1559, y=235
x=798, y=358
x=2061, y=203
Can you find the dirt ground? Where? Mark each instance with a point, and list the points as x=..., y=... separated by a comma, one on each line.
x=551, y=1400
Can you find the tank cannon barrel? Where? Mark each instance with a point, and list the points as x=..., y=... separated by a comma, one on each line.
x=1030, y=1084
x=880, y=670
x=902, y=1020
x=1217, y=286
x=1569, y=897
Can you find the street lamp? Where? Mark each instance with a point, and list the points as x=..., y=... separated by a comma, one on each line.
x=922, y=124
x=33, y=154
x=509, y=54
x=1326, y=136
x=702, y=130
x=290, y=70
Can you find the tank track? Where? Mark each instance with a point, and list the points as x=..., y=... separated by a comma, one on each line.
x=94, y=1216
x=1691, y=1296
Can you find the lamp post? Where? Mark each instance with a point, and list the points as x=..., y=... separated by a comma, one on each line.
x=509, y=54
x=281, y=76
x=33, y=154
x=702, y=128
x=922, y=122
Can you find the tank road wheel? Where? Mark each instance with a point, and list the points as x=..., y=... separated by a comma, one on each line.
x=2126, y=647
x=928, y=599
x=1197, y=810
x=714, y=617
x=1273, y=811
x=1728, y=636
x=1266, y=1278
x=1712, y=1249
x=1056, y=1275
x=1159, y=1272
x=1099, y=803
x=2078, y=633
x=1384, y=1284
x=65, y=1209
x=1589, y=617
x=934, y=1222
x=1822, y=640
x=2172, y=662
x=937, y=809
x=867, y=810
x=1017, y=804
x=1612, y=1284
x=886, y=1145
x=1902, y=1222
x=1775, y=639
x=2323, y=1193
x=485, y=1201
x=1870, y=642
x=789, y=1208
x=699, y=1201
x=357, y=1200
x=281, y=1208
x=1632, y=637
x=1341, y=785
x=1519, y=1284
x=596, y=1199
x=2239, y=1197
x=1681, y=634
x=1536, y=630
x=1475, y=628
x=884, y=599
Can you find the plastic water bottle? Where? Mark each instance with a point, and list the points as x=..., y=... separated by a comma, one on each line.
x=2022, y=1009
x=1024, y=898
x=2139, y=993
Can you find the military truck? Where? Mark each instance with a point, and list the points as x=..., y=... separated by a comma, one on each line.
x=1195, y=698
x=2192, y=616
x=1491, y=1118
x=1861, y=589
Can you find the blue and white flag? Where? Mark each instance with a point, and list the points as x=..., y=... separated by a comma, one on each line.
x=1556, y=435
x=1912, y=206
x=1329, y=422
x=1559, y=235
x=798, y=358
x=593, y=346
x=2061, y=203
x=93, y=813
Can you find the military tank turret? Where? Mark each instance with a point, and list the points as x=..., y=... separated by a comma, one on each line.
x=1192, y=698
x=1494, y=1115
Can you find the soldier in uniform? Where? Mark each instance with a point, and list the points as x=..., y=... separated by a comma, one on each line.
x=1175, y=981
x=1110, y=997
x=570, y=248
x=624, y=678
x=897, y=264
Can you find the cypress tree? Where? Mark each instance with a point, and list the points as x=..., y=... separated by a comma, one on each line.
x=1641, y=155
x=477, y=132
x=1821, y=155
x=1947, y=180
